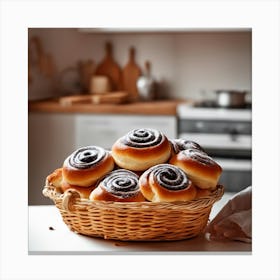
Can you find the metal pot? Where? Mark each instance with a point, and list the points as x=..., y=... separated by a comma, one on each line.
x=231, y=98
x=146, y=84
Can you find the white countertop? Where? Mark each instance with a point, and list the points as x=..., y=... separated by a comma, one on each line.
x=49, y=235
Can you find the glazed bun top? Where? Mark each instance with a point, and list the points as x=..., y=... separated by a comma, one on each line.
x=197, y=156
x=140, y=149
x=86, y=165
x=143, y=138
x=184, y=144
x=121, y=182
x=166, y=183
x=168, y=176
x=85, y=157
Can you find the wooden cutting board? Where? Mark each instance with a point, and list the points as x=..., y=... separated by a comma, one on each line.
x=130, y=74
x=74, y=99
x=86, y=71
x=110, y=68
x=117, y=97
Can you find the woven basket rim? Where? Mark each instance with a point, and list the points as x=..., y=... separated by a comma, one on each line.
x=54, y=194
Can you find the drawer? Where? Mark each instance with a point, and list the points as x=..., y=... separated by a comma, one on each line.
x=105, y=130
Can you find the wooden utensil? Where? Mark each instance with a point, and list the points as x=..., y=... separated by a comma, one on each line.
x=86, y=71
x=110, y=68
x=75, y=99
x=130, y=75
x=118, y=97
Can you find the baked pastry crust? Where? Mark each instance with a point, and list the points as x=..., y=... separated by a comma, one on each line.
x=55, y=178
x=83, y=191
x=119, y=185
x=140, y=149
x=184, y=144
x=86, y=166
x=166, y=183
x=201, y=168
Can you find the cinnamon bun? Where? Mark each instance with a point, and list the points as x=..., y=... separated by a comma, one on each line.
x=183, y=144
x=166, y=183
x=202, y=192
x=201, y=168
x=83, y=191
x=55, y=178
x=87, y=165
x=140, y=149
x=119, y=185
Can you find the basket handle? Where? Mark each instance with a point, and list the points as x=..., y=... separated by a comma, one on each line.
x=50, y=191
x=46, y=191
x=69, y=198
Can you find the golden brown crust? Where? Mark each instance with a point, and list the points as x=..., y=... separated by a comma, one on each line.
x=55, y=178
x=119, y=185
x=204, y=174
x=100, y=193
x=140, y=159
x=153, y=189
x=87, y=177
x=202, y=192
x=83, y=191
x=184, y=144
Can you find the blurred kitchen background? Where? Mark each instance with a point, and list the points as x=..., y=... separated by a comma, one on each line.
x=90, y=86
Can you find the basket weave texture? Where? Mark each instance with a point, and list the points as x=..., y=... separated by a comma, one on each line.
x=134, y=221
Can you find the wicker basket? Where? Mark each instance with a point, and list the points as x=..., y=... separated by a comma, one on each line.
x=134, y=221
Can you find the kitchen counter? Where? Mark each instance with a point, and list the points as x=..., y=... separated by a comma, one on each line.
x=49, y=235
x=163, y=107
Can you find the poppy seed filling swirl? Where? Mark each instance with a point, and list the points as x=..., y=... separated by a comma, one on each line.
x=86, y=157
x=170, y=177
x=122, y=183
x=187, y=144
x=142, y=138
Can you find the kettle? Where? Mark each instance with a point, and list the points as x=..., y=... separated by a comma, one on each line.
x=146, y=84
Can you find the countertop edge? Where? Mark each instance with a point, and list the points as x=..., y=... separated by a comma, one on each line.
x=163, y=107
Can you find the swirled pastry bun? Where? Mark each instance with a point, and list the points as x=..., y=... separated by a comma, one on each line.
x=87, y=165
x=183, y=144
x=202, y=192
x=201, y=168
x=55, y=178
x=83, y=191
x=140, y=149
x=119, y=185
x=166, y=183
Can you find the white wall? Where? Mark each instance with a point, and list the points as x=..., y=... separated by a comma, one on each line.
x=186, y=65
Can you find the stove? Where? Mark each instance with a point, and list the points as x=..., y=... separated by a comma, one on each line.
x=225, y=134
x=214, y=104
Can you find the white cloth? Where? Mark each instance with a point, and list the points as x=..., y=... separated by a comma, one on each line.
x=234, y=221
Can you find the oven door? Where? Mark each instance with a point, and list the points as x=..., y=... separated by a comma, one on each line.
x=237, y=173
x=220, y=141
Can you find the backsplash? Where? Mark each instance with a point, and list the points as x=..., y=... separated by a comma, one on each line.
x=184, y=64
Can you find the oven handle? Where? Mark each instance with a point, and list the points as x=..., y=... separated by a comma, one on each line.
x=220, y=141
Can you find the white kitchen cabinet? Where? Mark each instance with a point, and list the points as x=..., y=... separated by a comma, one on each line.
x=52, y=137
x=104, y=130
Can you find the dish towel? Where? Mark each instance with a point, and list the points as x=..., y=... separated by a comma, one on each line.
x=234, y=221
